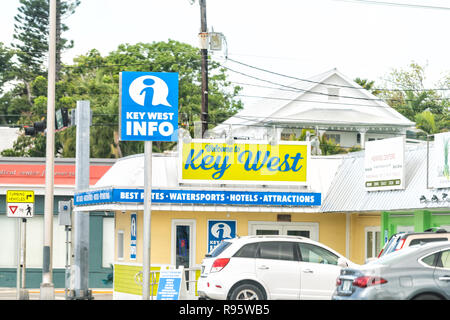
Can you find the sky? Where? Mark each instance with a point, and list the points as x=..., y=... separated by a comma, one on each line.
x=299, y=38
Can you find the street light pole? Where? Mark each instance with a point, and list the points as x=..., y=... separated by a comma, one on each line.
x=204, y=54
x=47, y=291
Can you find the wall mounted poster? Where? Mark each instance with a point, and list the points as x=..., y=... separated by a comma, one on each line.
x=440, y=171
x=384, y=164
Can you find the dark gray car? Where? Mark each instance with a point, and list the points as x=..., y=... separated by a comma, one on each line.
x=417, y=272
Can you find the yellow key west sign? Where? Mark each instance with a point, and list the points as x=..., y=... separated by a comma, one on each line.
x=244, y=162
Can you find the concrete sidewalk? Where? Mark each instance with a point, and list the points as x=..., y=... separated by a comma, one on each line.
x=34, y=294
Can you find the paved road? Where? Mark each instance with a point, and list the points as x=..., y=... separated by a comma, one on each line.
x=34, y=294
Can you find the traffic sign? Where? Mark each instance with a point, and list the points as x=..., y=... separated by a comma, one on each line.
x=24, y=196
x=20, y=210
x=148, y=106
x=19, y=203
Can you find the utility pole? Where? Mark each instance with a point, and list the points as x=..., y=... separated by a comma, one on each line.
x=204, y=53
x=80, y=266
x=47, y=289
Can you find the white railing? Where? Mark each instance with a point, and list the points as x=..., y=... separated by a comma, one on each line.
x=190, y=276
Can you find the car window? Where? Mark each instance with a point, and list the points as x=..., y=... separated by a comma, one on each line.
x=430, y=260
x=219, y=249
x=247, y=251
x=391, y=245
x=426, y=240
x=444, y=261
x=316, y=254
x=277, y=250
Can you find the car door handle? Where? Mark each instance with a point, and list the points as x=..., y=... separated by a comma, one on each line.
x=444, y=278
x=263, y=267
x=308, y=271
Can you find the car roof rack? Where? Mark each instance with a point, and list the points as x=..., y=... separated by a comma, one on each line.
x=435, y=229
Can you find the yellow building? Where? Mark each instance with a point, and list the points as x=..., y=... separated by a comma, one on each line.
x=191, y=214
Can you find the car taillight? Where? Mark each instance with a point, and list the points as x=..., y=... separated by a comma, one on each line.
x=367, y=281
x=219, y=264
x=400, y=244
x=338, y=281
x=379, y=255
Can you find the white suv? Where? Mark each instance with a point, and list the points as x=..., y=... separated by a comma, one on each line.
x=270, y=267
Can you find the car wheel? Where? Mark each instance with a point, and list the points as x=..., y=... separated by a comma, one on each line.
x=427, y=296
x=247, y=292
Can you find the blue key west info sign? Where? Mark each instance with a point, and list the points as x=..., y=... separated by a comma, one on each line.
x=219, y=230
x=148, y=106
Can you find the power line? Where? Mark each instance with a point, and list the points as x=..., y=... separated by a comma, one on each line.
x=268, y=81
x=295, y=89
x=331, y=84
x=408, y=5
x=315, y=92
x=264, y=70
x=327, y=102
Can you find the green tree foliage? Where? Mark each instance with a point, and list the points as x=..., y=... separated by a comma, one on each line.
x=31, y=33
x=368, y=85
x=31, y=30
x=429, y=108
x=95, y=78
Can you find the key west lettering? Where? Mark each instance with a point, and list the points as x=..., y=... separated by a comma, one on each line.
x=245, y=162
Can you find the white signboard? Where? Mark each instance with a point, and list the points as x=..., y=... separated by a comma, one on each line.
x=172, y=284
x=384, y=164
x=440, y=172
x=19, y=210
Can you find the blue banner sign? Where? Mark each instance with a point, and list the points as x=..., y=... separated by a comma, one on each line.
x=133, y=235
x=207, y=197
x=148, y=106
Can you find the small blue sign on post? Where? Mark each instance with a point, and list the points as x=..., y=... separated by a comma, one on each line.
x=219, y=230
x=148, y=106
x=170, y=284
x=133, y=234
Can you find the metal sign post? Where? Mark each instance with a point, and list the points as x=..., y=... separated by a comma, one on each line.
x=147, y=220
x=21, y=291
x=65, y=219
x=20, y=204
x=148, y=112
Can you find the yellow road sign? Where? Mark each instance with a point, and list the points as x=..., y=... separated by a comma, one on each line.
x=21, y=196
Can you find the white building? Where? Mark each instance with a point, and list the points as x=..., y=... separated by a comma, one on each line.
x=329, y=102
x=9, y=136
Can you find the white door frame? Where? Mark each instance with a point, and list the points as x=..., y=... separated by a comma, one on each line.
x=192, y=239
x=374, y=246
x=312, y=227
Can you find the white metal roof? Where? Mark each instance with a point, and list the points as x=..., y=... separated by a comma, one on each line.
x=311, y=104
x=129, y=172
x=347, y=192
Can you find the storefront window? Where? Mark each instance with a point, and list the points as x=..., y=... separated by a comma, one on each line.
x=182, y=246
x=120, y=253
x=260, y=232
x=298, y=229
x=108, y=242
x=299, y=233
x=372, y=242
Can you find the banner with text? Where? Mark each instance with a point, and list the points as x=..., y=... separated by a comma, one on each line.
x=204, y=197
x=384, y=164
x=244, y=162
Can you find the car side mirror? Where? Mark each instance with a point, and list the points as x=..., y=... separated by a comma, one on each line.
x=342, y=262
